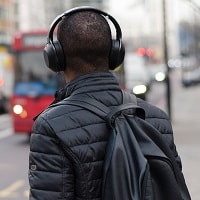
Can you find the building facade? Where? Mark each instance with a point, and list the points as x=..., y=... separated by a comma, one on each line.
x=6, y=21
x=141, y=20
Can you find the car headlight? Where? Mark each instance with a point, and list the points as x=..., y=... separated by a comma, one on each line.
x=19, y=110
x=160, y=76
x=139, y=89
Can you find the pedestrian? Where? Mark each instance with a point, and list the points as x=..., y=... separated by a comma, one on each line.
x=3, y=103
x=68, y=143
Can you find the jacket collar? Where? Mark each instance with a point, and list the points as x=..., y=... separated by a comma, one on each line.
x=86, y=83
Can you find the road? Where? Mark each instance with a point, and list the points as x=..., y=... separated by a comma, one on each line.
x=14, y=149
x=14, y=163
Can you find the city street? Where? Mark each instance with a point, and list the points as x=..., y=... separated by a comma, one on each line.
x=185, y=119
x=161, y=40
x=13, y=164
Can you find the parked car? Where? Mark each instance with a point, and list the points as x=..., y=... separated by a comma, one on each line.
x=190, y=71
x=190, y=77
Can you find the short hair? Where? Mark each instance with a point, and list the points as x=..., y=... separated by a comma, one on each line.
x=85, y=37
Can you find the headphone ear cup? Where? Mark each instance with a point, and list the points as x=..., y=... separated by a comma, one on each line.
x=54, y=56
x=60, y=56
x=117, y=54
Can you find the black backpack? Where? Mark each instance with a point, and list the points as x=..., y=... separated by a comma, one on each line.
x=138, y=165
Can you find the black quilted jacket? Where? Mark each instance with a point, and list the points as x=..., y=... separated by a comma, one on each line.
x=68, y=143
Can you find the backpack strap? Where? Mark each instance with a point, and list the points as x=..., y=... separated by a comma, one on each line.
x=90, y=104
x=129, y=106
x=129, y=98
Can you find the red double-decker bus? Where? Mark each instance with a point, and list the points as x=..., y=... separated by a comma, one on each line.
x=34, y=83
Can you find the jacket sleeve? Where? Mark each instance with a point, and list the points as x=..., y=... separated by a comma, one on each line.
x=50, y=172
x=159, y=119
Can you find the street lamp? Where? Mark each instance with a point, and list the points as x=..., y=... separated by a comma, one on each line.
x=165, y=51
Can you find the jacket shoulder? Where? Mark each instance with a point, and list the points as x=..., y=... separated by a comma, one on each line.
x=156, y=116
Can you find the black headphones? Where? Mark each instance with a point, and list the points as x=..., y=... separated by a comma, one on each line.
x=54, y=53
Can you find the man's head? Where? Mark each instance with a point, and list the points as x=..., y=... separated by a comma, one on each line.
x=86, y=40
x=84, y=43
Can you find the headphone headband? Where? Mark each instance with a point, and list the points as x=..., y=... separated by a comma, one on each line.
x=78, y=9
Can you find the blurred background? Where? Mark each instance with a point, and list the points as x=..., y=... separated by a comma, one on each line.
x=162, y=66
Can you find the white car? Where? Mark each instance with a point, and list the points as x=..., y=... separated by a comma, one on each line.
x=137, y=79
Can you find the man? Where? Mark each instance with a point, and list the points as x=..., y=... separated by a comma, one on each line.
x=68, y=143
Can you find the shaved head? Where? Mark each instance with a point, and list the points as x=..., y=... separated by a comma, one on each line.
x=85, y=37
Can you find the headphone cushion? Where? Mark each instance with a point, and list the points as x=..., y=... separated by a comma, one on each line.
x=117, y=54
x=54, y=56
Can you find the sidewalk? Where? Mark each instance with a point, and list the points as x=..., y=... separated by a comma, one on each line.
x=186, y=125
x=185, y=117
